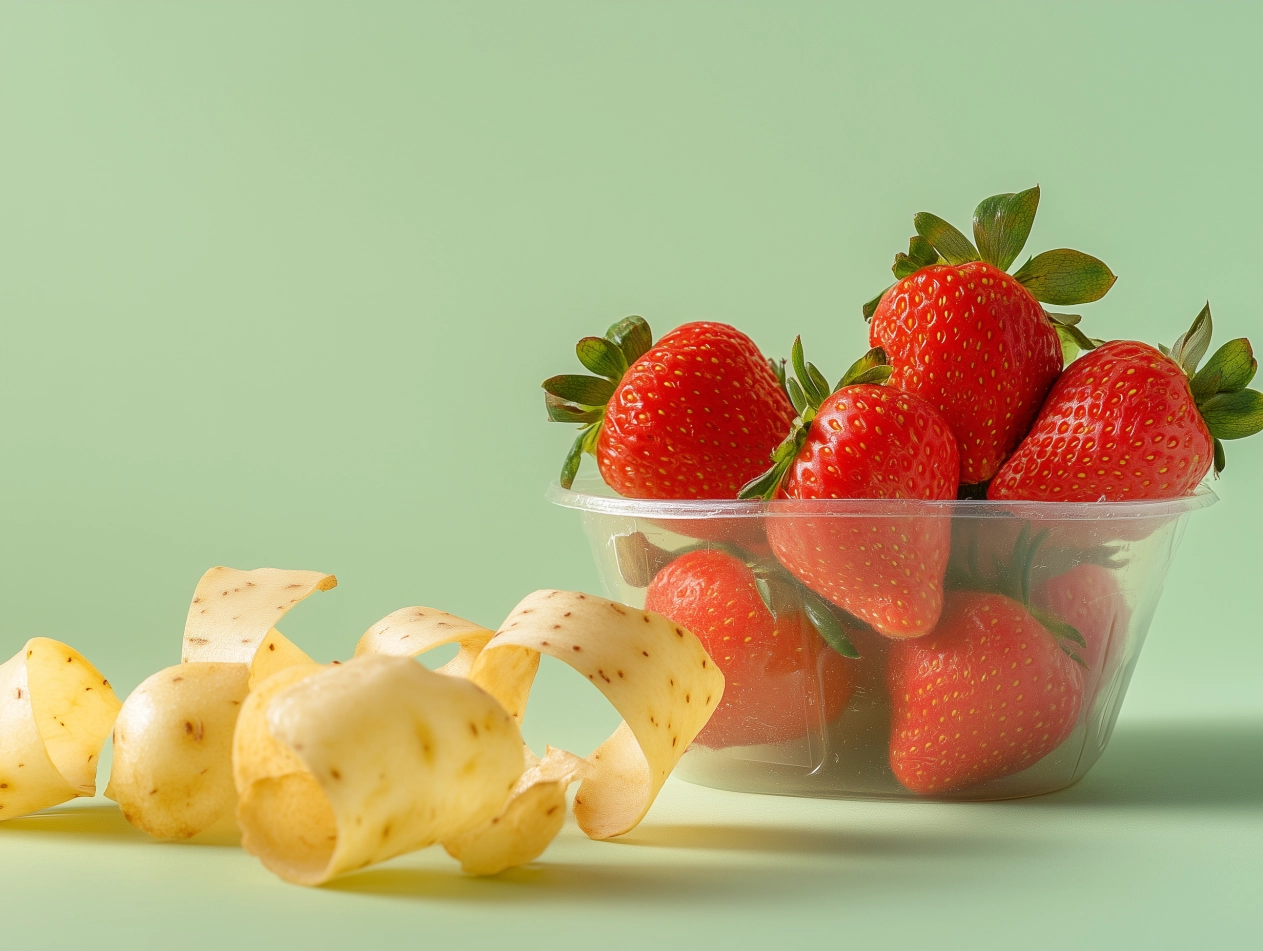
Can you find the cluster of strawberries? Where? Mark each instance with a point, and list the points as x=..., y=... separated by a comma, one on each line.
x=965, y=394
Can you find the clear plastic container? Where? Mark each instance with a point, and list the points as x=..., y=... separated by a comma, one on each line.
x=839, y=735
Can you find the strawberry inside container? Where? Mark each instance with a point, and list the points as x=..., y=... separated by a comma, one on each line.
x=897, y=649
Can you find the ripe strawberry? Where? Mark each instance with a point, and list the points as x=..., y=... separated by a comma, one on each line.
x=695, y=416
x=1127, y=421
x=864, y=441
x=1088, y=598
x=988, y=693
x=781, y=679
x=973, y=341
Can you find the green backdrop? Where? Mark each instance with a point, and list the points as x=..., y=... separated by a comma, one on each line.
x=279, y=281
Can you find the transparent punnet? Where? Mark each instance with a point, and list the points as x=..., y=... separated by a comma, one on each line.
x=812, y=722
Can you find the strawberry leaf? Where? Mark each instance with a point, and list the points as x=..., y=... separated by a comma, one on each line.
x=921, y=252
x=871, y=307
x=1221, y=458
x=631, y=335
x=639, y=559
x=1059, y=628
x=559, y=411
x=1002, y=223
x=870, y=368
x=602, y=357
x=904, y=266
x=796, y=395
x=1064, y=277
x=1230, y=368
x=1072, y=338
x=946, y=240
x=570, y=468
x=1234, y=415
x=584, y=390
x=827, y=626
x=1191, y=346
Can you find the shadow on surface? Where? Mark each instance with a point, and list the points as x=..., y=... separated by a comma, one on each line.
x=800, y=841
x=89, y=822
x=550, y=883
x=722, y=879
x=105, y=821
x=1213, y=764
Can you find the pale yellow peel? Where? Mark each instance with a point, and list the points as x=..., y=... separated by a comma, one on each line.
x=172, y=773
x=409, y=632
x=55, y=712
x=655, y=673
x=534, y=815
x=393, y=758
x=276, y=652
x=233, y=610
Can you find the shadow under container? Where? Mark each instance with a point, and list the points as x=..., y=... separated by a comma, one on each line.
x=1099, y=566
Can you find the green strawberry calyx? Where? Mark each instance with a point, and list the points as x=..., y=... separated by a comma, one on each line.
x=575, y=398
x=639, y=560
x=1229, y=409
x=807, y=389
x=1001, y=225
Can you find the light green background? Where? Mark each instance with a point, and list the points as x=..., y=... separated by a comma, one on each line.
x=278, y=283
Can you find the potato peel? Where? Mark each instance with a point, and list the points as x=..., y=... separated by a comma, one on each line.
x=535, y=813
x=55, y=712
x=234, y=610
x=379, y=757
x=656, y=674
x=412, y=631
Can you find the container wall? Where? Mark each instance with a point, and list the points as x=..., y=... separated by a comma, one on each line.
x=808, y=721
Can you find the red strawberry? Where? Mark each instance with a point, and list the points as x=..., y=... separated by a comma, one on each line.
x=782, y=680
x=1129, y=422
x=864, y=441
x=1088, y=598
x=988, y=693
x=973, y=341
x=695, y=416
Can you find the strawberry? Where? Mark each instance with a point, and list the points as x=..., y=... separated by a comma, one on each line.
x=988, y=693
x=1128, y=421
x=973, y=341
x=864, y=441
x=1088, y=598
x=781, y=679
x=694, y=416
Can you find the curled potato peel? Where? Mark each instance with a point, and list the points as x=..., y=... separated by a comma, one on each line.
x=409, y=632
x=55, y=712
x=655, y=673
x=172, y=774
x=368, y=760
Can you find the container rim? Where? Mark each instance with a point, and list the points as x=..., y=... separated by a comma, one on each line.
x=588, y=496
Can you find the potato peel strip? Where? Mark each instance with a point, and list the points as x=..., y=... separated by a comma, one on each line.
x=412, y=631
x=385, y=757
x=55, y=712
x=656, y=674
x=233, y=610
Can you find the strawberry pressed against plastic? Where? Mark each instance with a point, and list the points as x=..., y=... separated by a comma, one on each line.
x=694, y=416
x=1128, y=421
x=781, y=679
x=988, y=693
x=863, y=441
x=974, y=341
x=1088, y=598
